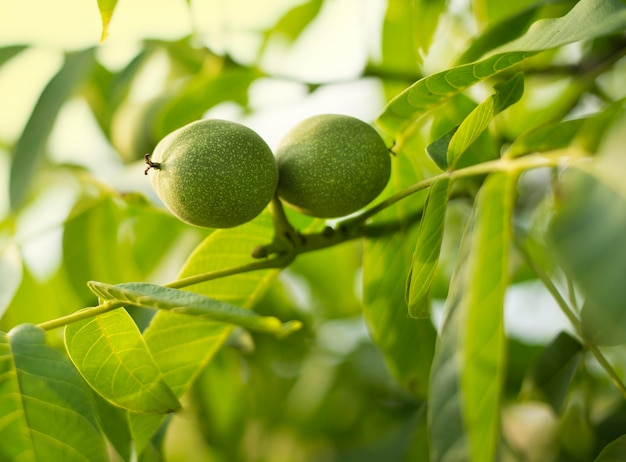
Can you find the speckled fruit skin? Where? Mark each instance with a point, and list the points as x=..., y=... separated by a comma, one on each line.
x=214, y=173
x=331, y=165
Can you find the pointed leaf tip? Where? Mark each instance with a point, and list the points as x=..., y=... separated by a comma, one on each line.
x=106, y=8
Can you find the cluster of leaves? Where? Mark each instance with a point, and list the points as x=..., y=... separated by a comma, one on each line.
x=152, y=371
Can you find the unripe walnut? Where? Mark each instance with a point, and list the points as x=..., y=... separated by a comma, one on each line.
x=331, y=165
x=213, y=173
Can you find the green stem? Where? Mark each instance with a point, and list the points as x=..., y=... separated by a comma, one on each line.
x=277, y=262
x=498, y=165
x=617, y=381
x=81, y=315
x=287, y=243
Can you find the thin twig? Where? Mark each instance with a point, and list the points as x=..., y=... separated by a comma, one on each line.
x=573, y=318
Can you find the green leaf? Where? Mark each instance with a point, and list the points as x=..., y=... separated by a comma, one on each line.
x=407, y=344
x=493, y=11
x=182, y=345
x=504, y=29
x=105, y=255
x=552, y=371
x=469, y=364
x=105, y=91
x=31, y=143
x=111, y=355
x=330, y=274
x=438, y=149
x=200, y=94
x=588, y=132
x=506, y=93
x=586, y=20
x=291, y=25
x=144, y=295
x=614, y=452
x=588, y=235
x=106, y=11
x=426, y=255
x=114, y=422
x=450, y=147
x=408, y=31
x=8, y=52
x=128, y=238
x=47, y=410
x=39, y=300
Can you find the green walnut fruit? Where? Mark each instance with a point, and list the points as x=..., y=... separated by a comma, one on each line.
x=331, y=165
x=213, y=173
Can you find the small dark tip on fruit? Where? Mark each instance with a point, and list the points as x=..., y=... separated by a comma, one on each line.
x=328, y=232
x=154, y=165
x=260, y=252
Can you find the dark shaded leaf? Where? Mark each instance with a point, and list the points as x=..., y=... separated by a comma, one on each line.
x=551, y=373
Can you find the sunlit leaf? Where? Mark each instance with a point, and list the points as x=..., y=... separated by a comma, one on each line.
x=47, y=410
x=468, y=368
x=426, y=256
x=31, y=143
x=588, y=236
x=111, y=355
x=505, y=26
x=144, y=295
x=586, y=20
x=15, y=442
x=106, y=11
x=552, y=371
x=182, y=345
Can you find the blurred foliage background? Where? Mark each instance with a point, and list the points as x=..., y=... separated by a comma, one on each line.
x=78, y=116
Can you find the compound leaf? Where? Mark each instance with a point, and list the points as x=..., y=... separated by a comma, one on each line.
x=506, y=93
x=586, y=20
x=144, y=295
